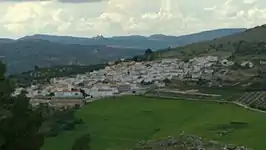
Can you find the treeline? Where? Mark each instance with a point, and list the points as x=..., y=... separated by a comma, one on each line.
x=149, y=55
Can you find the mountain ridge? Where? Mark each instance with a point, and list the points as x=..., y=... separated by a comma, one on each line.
x=40, y=50
x=155, y=41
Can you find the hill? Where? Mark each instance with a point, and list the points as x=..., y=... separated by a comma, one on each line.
x=244, y=46
x=24, y=55
x=157, y=41
x=120, y=123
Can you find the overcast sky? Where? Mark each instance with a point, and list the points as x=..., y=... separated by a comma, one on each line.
x=126, y=17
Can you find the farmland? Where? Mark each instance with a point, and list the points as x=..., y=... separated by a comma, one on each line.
x=254, y=99
x=121, y=122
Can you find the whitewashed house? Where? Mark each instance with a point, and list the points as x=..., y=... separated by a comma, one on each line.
x=103, y=92
x=226, y=62
x=17, y=91
x=247, y=64
x=263, y=62
x=68, y=94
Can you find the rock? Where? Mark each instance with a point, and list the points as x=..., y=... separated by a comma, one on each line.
x=186, y=142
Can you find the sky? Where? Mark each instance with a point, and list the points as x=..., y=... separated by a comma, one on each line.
x=88, y=18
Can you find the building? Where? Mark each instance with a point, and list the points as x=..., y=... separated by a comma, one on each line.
x=123, y=88
x=66, y=103
x=263, y=62
x=68, y=94
x=226, y=62
x=247, y=64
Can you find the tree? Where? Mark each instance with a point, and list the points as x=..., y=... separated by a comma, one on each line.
x=185, y=59
x=135, y=58
x=82, y=143
x=167, y=81
x=52, y=94
x=47, y=112
x=202, y=82
x=36, y=67
x=19, y=122
x=149, y=55
x=220, y=46
x=232, y=57
x=148, y=51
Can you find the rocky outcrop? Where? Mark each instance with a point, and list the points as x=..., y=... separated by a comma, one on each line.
x=185, y=142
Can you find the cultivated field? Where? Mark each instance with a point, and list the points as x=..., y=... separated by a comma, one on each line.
x=254, y=99
x=119, y=123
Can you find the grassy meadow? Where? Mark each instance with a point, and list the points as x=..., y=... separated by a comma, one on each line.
x=118, y=124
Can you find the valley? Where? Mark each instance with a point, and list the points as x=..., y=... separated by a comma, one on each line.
x=132, y=75
x=214, y=96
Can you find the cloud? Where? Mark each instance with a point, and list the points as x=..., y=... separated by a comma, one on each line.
x=80, y=1
x=62, y=1
x=123, y=17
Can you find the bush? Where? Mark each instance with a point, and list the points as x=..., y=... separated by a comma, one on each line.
x=52, y=133
x=82, y=143
x=79, y=121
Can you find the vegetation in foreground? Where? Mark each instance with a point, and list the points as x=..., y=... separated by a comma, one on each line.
x=25, y=127
x=122, y=122
x=19, y=122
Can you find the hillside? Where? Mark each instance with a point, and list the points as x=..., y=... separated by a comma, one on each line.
x=43, y=75
x=24, y=55
x=157, y=41
x=245, y=45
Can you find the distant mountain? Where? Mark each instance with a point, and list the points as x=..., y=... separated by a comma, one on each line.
x=157, y=41
x=24, y=55
x=48, y=50
x=5, y=40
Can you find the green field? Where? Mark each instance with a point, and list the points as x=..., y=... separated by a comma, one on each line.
x=120, y=123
